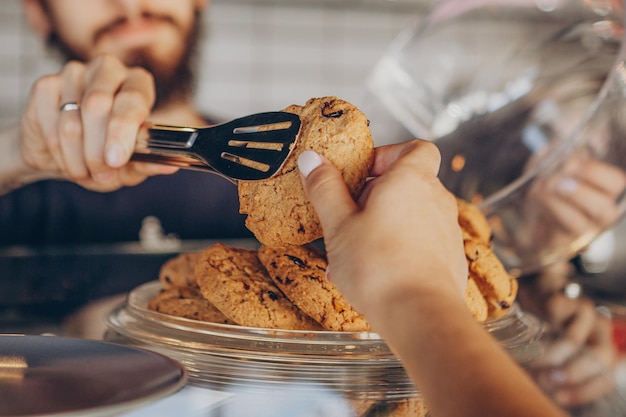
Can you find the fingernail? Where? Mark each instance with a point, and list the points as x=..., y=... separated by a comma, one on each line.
x=567, y=186
x=114, y=155
x=308, y=161
x=327, y=273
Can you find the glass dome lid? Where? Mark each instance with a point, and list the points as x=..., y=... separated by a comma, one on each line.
x=526, y=101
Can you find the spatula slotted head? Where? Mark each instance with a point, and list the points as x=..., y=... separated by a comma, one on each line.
x=250, y=148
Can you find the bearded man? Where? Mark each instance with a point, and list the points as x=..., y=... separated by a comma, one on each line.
x=65, y=174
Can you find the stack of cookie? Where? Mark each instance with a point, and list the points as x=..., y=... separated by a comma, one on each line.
x=283, y=284
x=286, y=287
x=490, y=290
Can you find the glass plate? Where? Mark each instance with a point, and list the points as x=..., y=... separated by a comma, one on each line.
x=263, y=366
x=229, y=356
x=55, y=376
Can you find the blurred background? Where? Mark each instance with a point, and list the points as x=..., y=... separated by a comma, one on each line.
x=258, y=55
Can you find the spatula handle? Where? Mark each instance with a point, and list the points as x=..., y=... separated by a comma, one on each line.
x=167, y=137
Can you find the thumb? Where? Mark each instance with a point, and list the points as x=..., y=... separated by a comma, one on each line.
x=326, y=190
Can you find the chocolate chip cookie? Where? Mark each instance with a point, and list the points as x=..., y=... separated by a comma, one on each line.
x=179, y=271
x=473, y=222
x=300, y=272
x=235, y=281
x=475, y=301
x=496, y=285
x=277, y=209
x=188, y=303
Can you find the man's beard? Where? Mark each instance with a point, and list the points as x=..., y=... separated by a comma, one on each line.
x=171, y=83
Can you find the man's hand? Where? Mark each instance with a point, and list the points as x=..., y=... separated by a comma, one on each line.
x=579, y=197
x=90, y=145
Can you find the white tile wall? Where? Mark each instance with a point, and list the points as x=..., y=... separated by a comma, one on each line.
x=257, y=55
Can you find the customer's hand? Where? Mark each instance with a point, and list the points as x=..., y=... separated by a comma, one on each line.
x=91, y=145
x=576, y=366
x=581, y=353
x=402, y=232
x=397, y=255
x=579, y=197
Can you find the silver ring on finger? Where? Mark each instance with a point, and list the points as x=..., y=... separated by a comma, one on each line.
x=69, y=106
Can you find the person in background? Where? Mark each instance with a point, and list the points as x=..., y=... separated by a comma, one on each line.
x=579, y=196
x=573, y=199
x=65, y=175
x=396, y=253
x=572, y=379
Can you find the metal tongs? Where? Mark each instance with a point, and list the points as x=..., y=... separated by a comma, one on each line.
x=250, y=148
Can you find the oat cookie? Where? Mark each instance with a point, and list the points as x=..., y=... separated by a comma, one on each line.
x=496, y=285
x=490, y=289
x=277, y=209
x=300, y=272
x=179, y=271
x=188, y=303
x=475, y=301
x=234, y=280
x=473, y=222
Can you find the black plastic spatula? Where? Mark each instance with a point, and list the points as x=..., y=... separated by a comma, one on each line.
x=250, y=148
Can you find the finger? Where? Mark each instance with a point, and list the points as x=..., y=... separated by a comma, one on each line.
x=365, y=193
x=326, y=190
x=605, y=178
x=592, y=390
x=147, y=169
x=557, y=353
x=130, y=176
x=562, y=311
x=575, y=319
x=574, y=323
x=70, y=126
x=602, y=343
x=564, y=216
x=593, y=204
x=103, y=78
x=131, y=107
x=598, y=356
x=39, y=125
x=386, y=156
x=136, y=172
x=559, y=310
x=579, y=370
x=559, y=314
x=581, y=326
x=595, y=359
